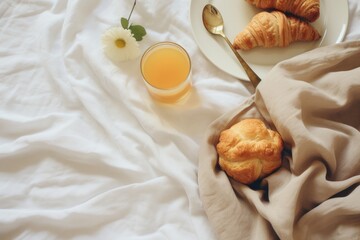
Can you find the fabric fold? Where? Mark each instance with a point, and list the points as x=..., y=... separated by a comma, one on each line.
x=313, y=101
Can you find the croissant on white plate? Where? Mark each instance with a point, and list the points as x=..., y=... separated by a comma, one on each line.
x=306, y=9
x=274, y=29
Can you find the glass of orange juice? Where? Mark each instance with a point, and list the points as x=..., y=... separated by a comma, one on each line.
x=166, y=70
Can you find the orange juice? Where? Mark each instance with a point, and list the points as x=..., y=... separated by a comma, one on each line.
x=166, y=70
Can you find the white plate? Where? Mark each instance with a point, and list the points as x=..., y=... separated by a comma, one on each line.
x=331, y=24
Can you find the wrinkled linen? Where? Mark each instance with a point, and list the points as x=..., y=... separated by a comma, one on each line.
x=85, y=153
x=313, y=101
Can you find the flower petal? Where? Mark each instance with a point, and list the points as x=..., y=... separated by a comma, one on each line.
x=129, y=51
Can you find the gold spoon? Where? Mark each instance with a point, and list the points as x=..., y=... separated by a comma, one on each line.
x=214, y=24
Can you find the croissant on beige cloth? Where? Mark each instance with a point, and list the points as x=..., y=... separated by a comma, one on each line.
x=313, y=101
x=306, y=9
x=274, y=29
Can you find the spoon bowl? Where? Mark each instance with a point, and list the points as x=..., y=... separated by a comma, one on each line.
x=214, y=24
x=213, y=20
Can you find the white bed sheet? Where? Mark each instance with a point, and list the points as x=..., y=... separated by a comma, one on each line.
x=85, y=153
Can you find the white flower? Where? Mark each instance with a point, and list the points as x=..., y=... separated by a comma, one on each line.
x=119, y=44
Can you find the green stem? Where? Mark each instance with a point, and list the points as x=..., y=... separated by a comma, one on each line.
x=131, y=11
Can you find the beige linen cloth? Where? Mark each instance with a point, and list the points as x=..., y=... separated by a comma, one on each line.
x=313, y=100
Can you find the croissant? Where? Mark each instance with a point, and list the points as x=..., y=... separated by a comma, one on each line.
x=248, y=150
x=307, y=9
x=274, y=29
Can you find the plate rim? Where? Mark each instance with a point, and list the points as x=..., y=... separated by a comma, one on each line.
x=340, y=36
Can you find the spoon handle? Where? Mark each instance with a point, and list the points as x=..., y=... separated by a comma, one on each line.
x=254, y=78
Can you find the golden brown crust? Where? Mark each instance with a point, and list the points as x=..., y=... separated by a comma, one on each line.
x=274, y=29
x=248, y=150
x=306, y=9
